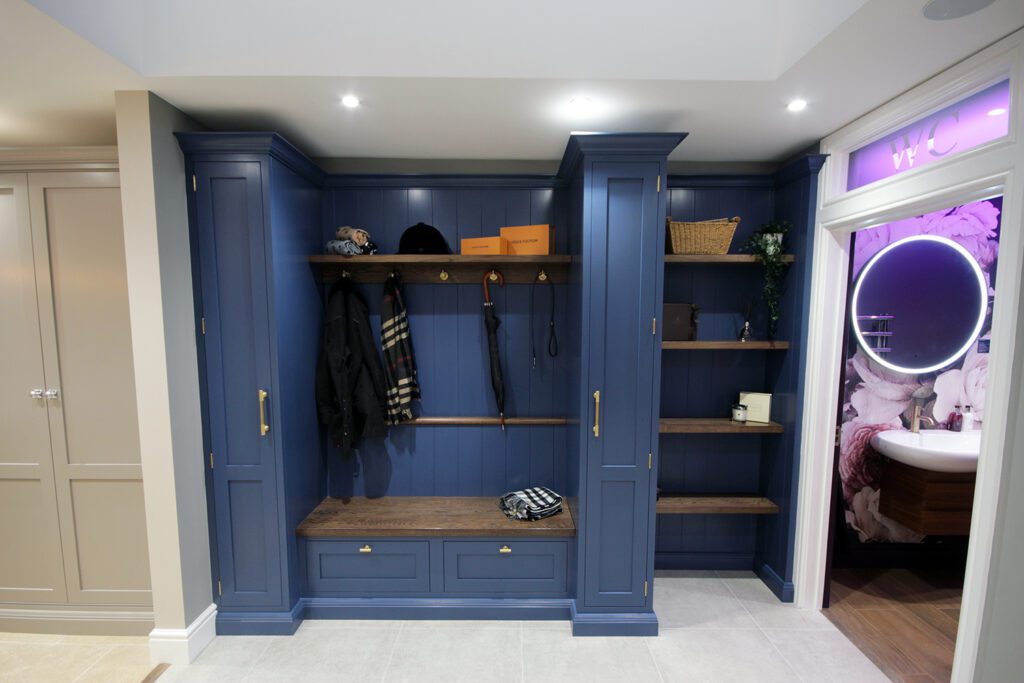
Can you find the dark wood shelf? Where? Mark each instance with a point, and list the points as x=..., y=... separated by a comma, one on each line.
x=484, y=421
x=725, y=345
x=715, y=505
x=432, y=516
x=735, y=259
x=438, y=269
x=715, y=425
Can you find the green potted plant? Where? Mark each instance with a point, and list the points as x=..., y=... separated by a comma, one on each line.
x=766, y=245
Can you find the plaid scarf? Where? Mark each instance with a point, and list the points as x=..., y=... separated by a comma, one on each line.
x=399, y=362
x=530, y=504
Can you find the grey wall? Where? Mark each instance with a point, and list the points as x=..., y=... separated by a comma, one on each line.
x=163, y=339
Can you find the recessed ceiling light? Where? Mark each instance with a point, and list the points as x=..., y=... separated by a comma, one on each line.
x=797, y=105
x=941, y=10
x=998, y=111
x=581, y=105
x=350, y=101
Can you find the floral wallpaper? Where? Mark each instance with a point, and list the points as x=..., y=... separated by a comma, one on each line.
x=877, y=399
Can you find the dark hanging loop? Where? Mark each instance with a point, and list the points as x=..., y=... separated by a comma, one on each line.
x=542, y=278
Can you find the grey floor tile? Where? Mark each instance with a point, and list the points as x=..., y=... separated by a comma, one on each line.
x=825, y=656
x=316, y=624
x=234, y=651
x=203, y=674
x=684, y=574
x=433, y=624
x=558, y=656
x=355, y=654
x=702, y=601
x=456, y=654
x=692, y=656
x=767, y=610
x=547, y=625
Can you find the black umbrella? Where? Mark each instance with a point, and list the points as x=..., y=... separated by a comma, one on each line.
x=491, y=323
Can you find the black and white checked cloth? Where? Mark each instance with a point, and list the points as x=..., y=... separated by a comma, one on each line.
x=530, y=504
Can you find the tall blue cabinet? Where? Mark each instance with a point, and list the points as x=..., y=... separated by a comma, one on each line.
x=255, y=214
x=588, y=419
x=621, y=226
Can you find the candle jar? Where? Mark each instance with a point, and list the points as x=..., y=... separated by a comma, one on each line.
x=739, y=412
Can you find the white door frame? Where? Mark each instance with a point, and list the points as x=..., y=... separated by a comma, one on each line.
x=975, y=174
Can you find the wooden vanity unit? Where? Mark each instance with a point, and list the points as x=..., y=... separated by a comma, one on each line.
x=932, y=503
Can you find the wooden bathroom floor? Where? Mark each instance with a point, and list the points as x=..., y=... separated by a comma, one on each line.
x=904, y=620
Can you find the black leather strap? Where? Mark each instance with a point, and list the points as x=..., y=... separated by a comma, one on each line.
x=552, y=338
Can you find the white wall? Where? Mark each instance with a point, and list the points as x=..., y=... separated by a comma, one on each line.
x=1000, y=655
x=163, y=339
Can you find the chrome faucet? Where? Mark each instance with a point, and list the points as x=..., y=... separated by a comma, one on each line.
x=918, y=418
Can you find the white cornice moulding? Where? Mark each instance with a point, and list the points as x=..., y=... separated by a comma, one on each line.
x=181, y=646
x=58, y=158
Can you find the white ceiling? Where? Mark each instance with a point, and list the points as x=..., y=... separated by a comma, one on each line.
x=464, y=80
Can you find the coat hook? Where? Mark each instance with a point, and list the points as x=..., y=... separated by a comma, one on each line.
x=542, y=276
x=493, y=276
x=345, y=274
x=444, y=276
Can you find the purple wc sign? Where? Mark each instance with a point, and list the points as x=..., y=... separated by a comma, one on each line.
x=973, y=121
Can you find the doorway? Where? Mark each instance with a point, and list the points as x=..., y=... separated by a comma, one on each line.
x=912, y=391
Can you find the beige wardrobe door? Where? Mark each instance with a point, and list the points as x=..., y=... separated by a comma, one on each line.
x=76, y=223
x=31, y=568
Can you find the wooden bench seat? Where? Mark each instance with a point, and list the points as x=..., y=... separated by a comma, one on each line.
x=425, y=516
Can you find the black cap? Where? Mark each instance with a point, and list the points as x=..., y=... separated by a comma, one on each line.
x=423, y=239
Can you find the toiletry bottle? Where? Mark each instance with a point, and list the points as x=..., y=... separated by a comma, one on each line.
x=968, y=419
x=951, y=420
x=958, y=420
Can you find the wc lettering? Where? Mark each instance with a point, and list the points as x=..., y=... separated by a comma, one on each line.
x=909, y=150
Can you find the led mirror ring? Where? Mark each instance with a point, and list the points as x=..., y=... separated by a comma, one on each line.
x=982, y=305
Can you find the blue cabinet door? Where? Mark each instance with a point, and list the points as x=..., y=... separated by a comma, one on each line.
x=623, y=245
x=233, y=260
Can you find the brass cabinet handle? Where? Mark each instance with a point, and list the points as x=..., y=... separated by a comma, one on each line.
x=597, y=414
x=504, y=550
x=264, y=427
x=366, y=549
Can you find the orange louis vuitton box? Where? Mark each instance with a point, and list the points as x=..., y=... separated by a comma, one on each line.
x=529, y=240
x=484, y=246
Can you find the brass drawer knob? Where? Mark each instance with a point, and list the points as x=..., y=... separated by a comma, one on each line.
x=504, y=550
x=366, y=549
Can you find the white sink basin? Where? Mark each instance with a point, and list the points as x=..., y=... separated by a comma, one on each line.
x=937, y=450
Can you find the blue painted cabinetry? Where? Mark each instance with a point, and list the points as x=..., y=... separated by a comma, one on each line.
x=259, y=209
x=621, y=240
x=255, y=212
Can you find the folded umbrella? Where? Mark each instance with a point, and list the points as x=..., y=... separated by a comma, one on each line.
x=491, y=324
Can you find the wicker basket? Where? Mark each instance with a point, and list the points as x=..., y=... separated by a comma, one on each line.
x=702, y=237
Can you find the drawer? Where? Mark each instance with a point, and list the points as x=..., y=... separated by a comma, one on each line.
x=368, y=566
x=504, y=567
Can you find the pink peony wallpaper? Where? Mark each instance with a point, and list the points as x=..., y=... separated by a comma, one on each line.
x=878, y=399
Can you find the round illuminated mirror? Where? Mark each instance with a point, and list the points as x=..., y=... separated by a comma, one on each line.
x=919, y=304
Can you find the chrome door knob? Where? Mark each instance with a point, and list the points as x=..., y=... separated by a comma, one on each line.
x=51, y=393
x=36, y=393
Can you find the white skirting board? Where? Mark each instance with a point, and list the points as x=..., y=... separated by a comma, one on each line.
x=24, y=619
x=181, y=646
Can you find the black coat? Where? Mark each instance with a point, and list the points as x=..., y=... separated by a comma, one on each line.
x=350, y=392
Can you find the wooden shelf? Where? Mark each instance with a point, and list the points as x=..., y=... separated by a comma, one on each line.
x=735, y=259
x=725, y=345
x=715, y=425
x=425, y=516
x=484, y=421
x=715, y=505
x=429, y=268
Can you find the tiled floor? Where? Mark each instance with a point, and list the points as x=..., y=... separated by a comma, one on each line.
x=717, y=627
x=904, y=620
x=42, y=658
